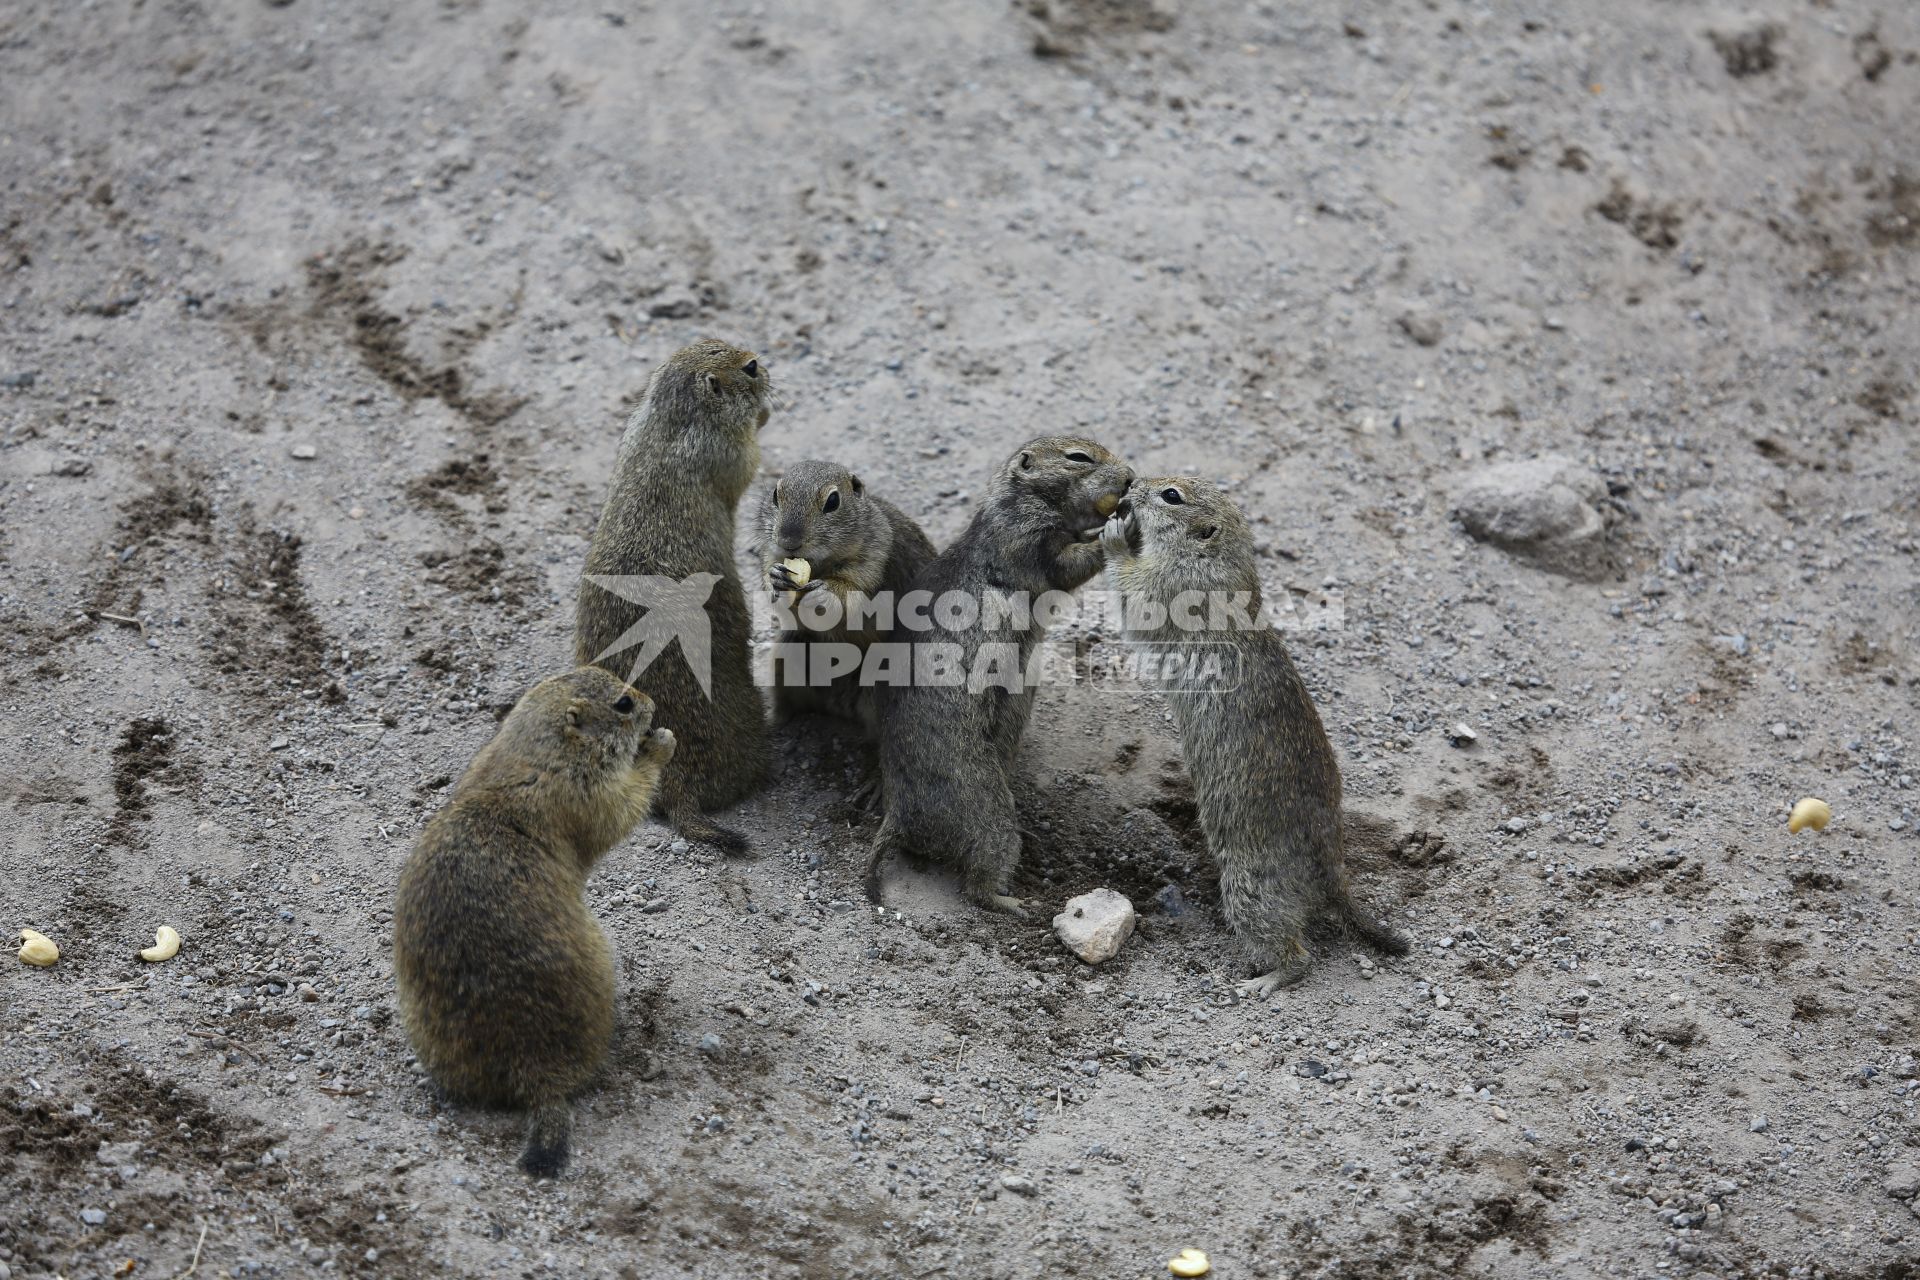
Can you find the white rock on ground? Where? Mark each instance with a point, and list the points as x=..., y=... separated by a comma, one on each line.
x=1542, y=509
x=1095, y=925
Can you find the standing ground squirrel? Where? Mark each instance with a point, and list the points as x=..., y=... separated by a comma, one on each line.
x=947, y=751
x=689, y=452
x=506, y=982
x=850, y=542
x=1263, y=771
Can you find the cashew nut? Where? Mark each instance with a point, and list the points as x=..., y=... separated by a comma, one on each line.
x=799, y=572
x=1106, y=507
x=1189, y=1262
x=166, y=945
x=1809, y=813
x=37, y=948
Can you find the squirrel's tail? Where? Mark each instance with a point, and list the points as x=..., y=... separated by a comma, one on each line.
x=549, y=1138
x=683, y=811
x=888, y=841
x=1374, y=934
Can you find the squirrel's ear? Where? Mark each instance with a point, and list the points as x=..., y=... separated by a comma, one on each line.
x=857, y=486
x=1208, y=532
x=574, y=709
x=713, y=384
x=1026, y=462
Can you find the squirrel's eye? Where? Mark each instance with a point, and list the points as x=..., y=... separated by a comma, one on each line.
x=625, y=704
x=1077, y=456
x=776, y=495
x=833, y=501
x=751, y=368
x=1172, y=497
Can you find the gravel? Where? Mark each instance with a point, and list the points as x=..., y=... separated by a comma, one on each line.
x=396, y=237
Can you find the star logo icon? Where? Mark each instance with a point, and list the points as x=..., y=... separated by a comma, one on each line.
x=674, y=610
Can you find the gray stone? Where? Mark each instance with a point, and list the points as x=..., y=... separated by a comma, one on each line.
x=1903, y=1180
x=674, y=304
x=117, y=1153
x=94, y=1217
x=1423, y=327
x=1020, y=1185
x=1095, y=925
x=1545, y=510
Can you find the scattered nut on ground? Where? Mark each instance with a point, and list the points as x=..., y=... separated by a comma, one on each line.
x=166, y=945
x=37, y=948
x=1189, y=1262
x=1809, y=813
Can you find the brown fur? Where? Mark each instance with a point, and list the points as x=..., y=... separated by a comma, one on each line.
x=1263, y=770
x=865, y=545
x=689, y=452
x=506, y=982
x=947, y=753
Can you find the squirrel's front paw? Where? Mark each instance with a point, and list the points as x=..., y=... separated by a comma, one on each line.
x=781, y=579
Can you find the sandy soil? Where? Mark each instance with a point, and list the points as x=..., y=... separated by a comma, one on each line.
x=318, y=325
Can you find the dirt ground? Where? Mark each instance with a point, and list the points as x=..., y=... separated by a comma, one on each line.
x=319, y=323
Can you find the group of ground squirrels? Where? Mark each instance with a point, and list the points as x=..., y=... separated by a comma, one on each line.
x=505, y=980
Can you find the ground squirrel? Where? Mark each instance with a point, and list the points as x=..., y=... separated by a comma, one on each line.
x=506, y=982
x=1263, y=770
x=947, y=752
x=850, y=542
x=689, y=452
